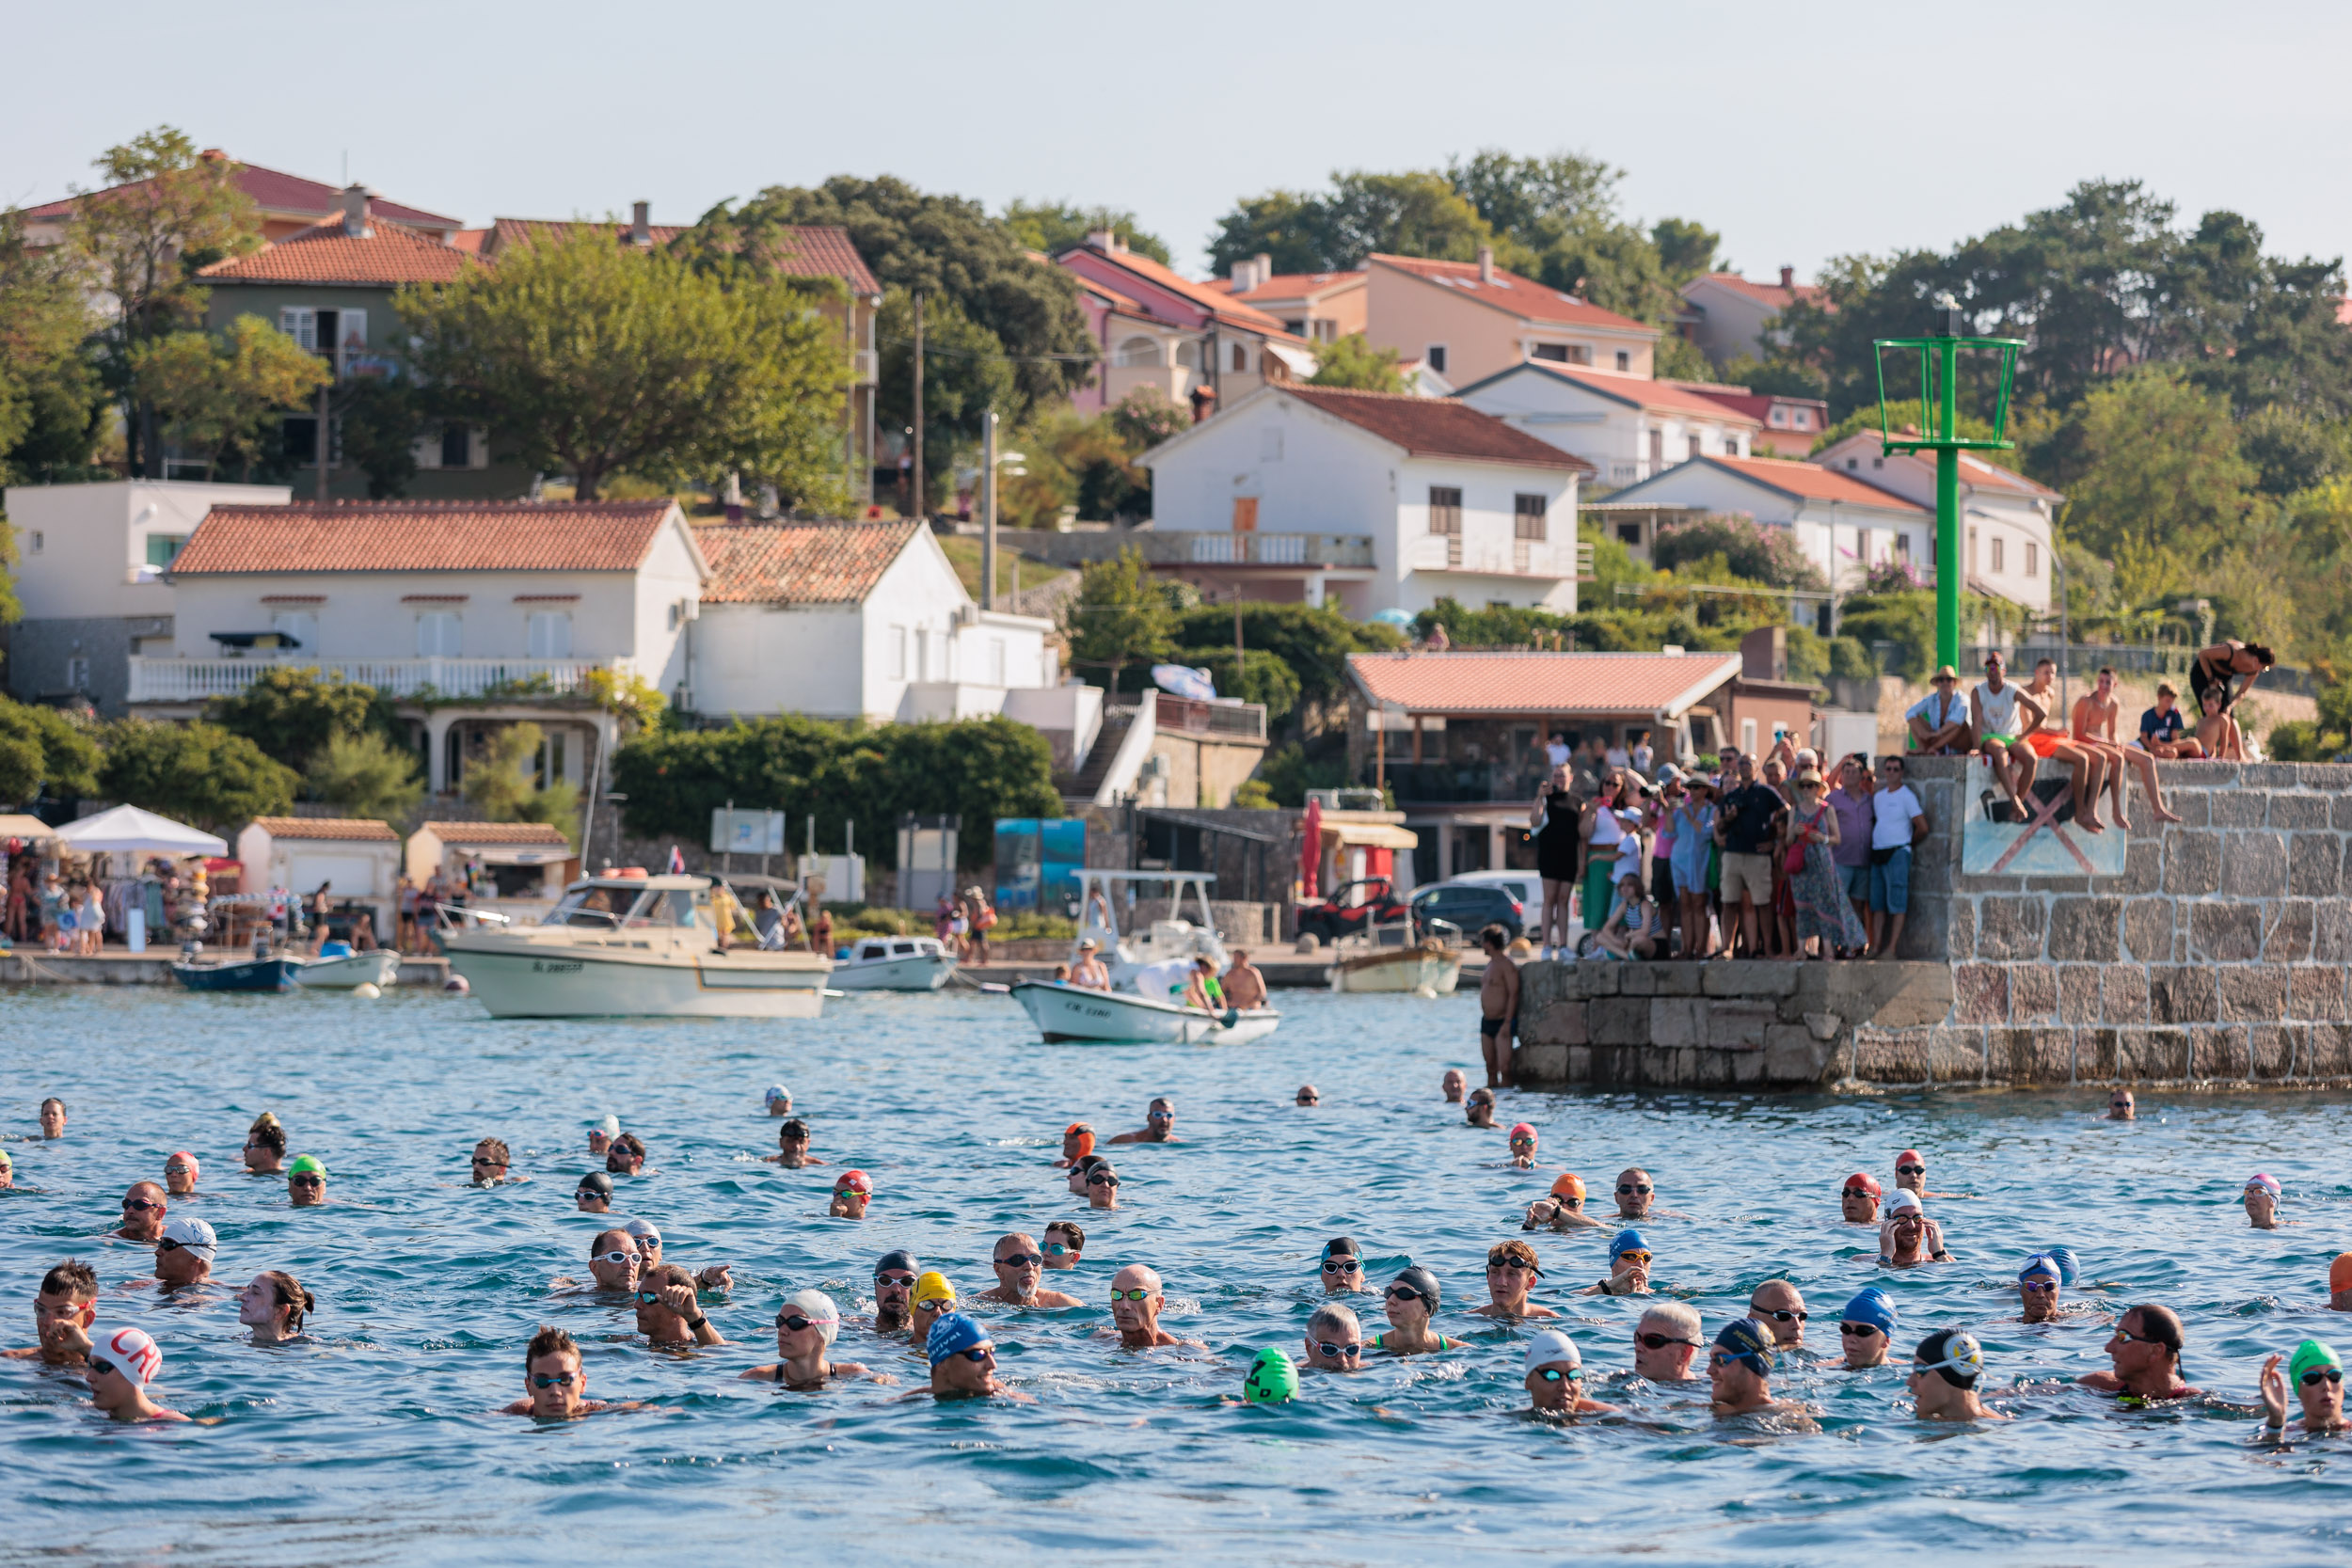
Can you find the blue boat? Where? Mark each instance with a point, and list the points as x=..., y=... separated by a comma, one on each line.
x=239, y=974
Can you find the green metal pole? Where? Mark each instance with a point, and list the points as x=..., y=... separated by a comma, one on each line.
x=1948, y=581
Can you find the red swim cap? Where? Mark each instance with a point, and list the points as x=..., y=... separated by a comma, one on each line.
x=1519, y=1128
x=2339, y=1273
x=1912, y=1155
x=855, y=1181
x=1864, y=1180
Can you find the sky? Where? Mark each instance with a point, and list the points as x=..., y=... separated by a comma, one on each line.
x=1801, y=132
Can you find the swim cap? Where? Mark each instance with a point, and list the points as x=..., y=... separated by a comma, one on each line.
x=1745, y=1339
x=1550, y=1345
x=306, y=1165
x=193, y=1236
x=1865, y=1181
x=2308, y=1354
x=1952, y=1352
x=1271, y=1379
x=598, y=1182
x=1568, y=1184
x=1347, y=1244
x=2339, y=1273
x=134, y=1355
x=610, y=1126
x=1875, y=1306
x=644, y=1231
x=1625, y=1241
x=1085, y=1136
x=1909, y=1157
x=1904, y=1199
x=1521, y=1128
x=2267, y=1182
x=931, y=1286
x=2067, y=1267
x=953, y=1332
x=2040, y=1263
x=776, y=1092
x=183, y=1154
x=819, y=1310
x=1420, y=1282
x=898, y=1258
x=856, y=1180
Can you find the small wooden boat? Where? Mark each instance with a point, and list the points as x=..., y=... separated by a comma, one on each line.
x=265, y=975
x=1066, y=1012
x=1427, y=969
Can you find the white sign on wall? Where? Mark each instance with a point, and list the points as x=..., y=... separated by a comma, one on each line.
x=736, y=831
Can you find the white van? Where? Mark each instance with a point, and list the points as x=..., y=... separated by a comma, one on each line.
x=1525, y=886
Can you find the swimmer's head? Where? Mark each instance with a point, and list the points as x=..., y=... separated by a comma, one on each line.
x=1872, y=1307
x=1629, y=1241
x=853, y=1180
x=180, y=1171
x=897, y=1260
x=952, y=1335
x=2264, y=1182
x=1522, y=1135
x=1905, y=1201
x=1420, y=1282
x=1550, y=1345
x=306, y=1165
x=932, y=1286
x=646, y=1236
x=132, y=1352
x=1951, y=1353
x=1862, y=1182
x=1568, y=1187
x=2339, y=1282
x=817, y=1311
x=607, y=1124
x=2042, y=1266
x=778, y=1100
x=1271, y=1380
x=2311, y=1356
x=1076, y=1139
x=595, y=1187
x=1748, y=1342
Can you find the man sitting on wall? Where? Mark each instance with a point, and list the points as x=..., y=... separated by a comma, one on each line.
x=1939, y=720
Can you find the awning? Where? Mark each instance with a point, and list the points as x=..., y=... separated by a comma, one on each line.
x=511, y=854
x=1375, y=835
x=128, y=831
x=1302, y=363
x=17, y=825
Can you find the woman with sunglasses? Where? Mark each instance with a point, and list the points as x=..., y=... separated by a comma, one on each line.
x=933, y=1298
x=2038, y=1285
x=1343, y=1267
x=1511, y=1274
x=2318, y=1380
x=1867, y=1328
x=1102, y=1186
x=806, y=1325
x=180, y=1172
x=274, y=1304
x=1411, y=1301
x=1555, y=1378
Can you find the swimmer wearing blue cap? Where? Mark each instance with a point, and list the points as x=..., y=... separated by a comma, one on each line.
x=963, y=1361
x=2038, y=1284
x=1740, y=1368
x=1944, y=1372
x=778, y=1100
x=1555, y=1378
x=1867, y=1328
x=1628, y=1267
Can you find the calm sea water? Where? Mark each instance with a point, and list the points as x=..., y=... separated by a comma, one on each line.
x=372, y=1440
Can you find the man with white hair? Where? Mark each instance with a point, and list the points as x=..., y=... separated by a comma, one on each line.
x=1665, y=1341
x=806, y=1326
x=1555, y=1377
x=1136, y=1298
x=1335, y=1340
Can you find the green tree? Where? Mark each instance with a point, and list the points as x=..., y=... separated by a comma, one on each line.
x=1312, y=641
x=1353, y=363
x=1145, y=417
x=964, y=374
x=1746, y=550
x=197, y=772
x=1120, y=616
x=1287, y=227
x=292, y=714
x=220, y=395
x=379, y=421
x=2163, y=482
x=43, y=752
x=363, y=775
x=51, y=398
x=595, y=358
x=1418, y=213
x=1685, y=250
x=1052, y=227
x=498, y=783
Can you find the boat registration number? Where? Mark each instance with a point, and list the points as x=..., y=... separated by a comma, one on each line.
x=555, y=966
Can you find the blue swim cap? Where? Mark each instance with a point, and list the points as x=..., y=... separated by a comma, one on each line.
x=1745, y=1339
x=2068, y=1268
x=951, y=1333
x=2042, y=1264
x=1625, y=1241
x=1873, y=1305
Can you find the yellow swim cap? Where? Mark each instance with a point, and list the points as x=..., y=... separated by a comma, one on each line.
x=933, y=1286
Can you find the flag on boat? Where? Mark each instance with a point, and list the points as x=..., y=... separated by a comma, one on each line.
x=677, y=862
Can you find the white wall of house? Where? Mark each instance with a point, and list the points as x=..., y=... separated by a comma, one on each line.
x=1735, y=322
x=2008, y=545
x=384, y=615
x=83, y=549
x=1612, y=435
x=1832, y=534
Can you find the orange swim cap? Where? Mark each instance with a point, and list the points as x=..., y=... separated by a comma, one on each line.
x=1085, y=1136
x=2340, y=1274
x=1569, y=1184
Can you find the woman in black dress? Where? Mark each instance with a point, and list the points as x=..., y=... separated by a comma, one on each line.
x=1553, y=824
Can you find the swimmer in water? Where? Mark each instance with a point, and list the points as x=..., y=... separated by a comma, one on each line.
x=853, y=1190
x=1665, y=1342
x=273, y=1306
x=1908, y=1237
x=491, y=1162
x=601, y=1133
x=1555, y=1377
x=792, y=1147
x=1078, y=1141
x=1867, y=1328
x=1136, y=1298
x=1779, y=1306
x=2121, y=1107
x=2145, y=1352
x=1944, y=1372
x=8, y=1170
x=1523, y=1145
x=265, y=1147
x=1635, y=1193
x=1411, y=1301
x=1307, y=1095
x=2038, y=1284
x=1911, y=1175
x=2318, y=1378
x=1019, y=1265
x=1859, y=1198
x=594, y=1194
x=1511, y=1274
x=615, y=1261
x=1101, y=1186
x=179, y=1175
x=1479, y=1110
x=305, y=1182
x=2261, y=1199
x=1563, y=1208
x=894, y=1274
x=668, y=1314
x=806, y=1326
x=963, y=1361
x=143, y=1208
x=1271, y=1379
x=1343, y=1267
x=555, y=1385
x=120, y=1370
x=932, y=1298
x=626, y=1155
x=1078, y=1168
x=63, y=1311
x=1065, y=1244
x=52, y=1118
x=1741, y=1370
x=1453, y=1084
x=2340, y=1283
x=1335, y=1340
x=1159, y=1125
x=1628, y=1267
x=184, y=1254
x=777, y=1102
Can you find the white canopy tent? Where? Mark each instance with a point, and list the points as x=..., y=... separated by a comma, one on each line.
x=128, y=831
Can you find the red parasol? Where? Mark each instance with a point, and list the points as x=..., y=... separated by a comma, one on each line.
x=1310, y=853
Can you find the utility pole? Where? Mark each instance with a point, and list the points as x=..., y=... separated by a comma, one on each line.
x=323, y=446
x=920, y=504
x=988, y=510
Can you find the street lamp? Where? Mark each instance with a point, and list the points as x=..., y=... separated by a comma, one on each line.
x=1939, y=387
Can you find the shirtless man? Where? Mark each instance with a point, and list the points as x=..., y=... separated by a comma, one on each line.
x=1452, y=1084
x=1859, y=1199
x=1244, y=987
x=667, y=1313
x=2086, y=766
x=1563, y=1208
x=555, y=1386
x=963, y=1361
x=1019, y=1265
x=1136, y=1298
x=2095, y=711
x=1944, y=1372
x=62, y=1314
x=1635, y=1193
x=1665, y=1341
x=1159, y=1125
x=1498, y=1007
x=2003, y=715
x=2145, y=1351
x=791, y=1147
x=2217, y=734
x=894, y=1274
x=1511, y=1272
x=143, y=1208
x=1740, y=1368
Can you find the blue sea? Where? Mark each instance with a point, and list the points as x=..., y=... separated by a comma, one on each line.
x=373, y=1439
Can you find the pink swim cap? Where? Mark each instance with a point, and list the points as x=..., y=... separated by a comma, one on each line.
x=1521, y=1128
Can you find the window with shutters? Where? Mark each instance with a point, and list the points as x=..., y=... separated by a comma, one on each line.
x=1241, y=357
x=2033, y=559
x=439, y=634
x=1657, y=449
x=1997, y=552
x=551, y=633
x=1445, y=509
x=1529, y=515
x=1625, y=360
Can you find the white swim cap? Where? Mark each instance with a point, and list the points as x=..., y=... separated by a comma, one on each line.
x=610, y=1126
x=819, y=1310
x=133, y=1354
x=193, y=1236
x=1550, y=1345
x=644, y=1231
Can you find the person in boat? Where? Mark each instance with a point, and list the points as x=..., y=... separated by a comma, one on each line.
x=853, y=1190
x=2145, y=1354
x=1065, y=1244
x=1019, y=1265
x=1159, y=1125
x=1245, y=985
x=594, y=1194
x=1498, y=1007
x=1202, y=990
x=806, y=1326
x=767, y=920
x=895, y=1273
x=1090, y=971
x=792, y=1147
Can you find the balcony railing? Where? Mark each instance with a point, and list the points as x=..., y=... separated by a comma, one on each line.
x=196, y=680
x=1513, y=557
x=1245, y=721
x=1437, y=784
x=1305, y=551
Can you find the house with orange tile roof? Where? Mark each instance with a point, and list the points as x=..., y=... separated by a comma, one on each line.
x=1787, y=426
x=1726, y=315
x=1843, y=523
x=1371, y=501
x=285, y=203
x=1319, y=306
x=1193, y=344
x=1627, y=427
x=2008, y=517
x=1469, y=320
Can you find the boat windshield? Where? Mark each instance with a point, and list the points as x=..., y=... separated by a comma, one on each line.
x=602, y=908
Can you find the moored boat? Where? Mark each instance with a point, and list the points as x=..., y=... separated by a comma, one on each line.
x=1064, y=1012
x=263, y=974
x=895, y=964
x=1427, y=969
x=348, y=971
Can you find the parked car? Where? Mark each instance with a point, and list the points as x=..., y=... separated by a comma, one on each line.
x=1525, y=886
x=1351, y=908
x=1469, y=907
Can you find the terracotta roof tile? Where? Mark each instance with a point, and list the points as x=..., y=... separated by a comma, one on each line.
x=390, y=253
x=1540, y=683
x=1523, y=296
x=1629, y=390
x=1436, y=427
x=425, y=536
x=276, y=192
x=813, y=250
x=800, y=563
x=495, y=833
x=1811, y=482
x=1296, y=285
x=1222, y=306
x=345, y=828
x=1765, y=294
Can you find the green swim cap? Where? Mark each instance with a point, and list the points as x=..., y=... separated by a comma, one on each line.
x=1272, y=1379
x=306, y=1165
x=2308, y=1354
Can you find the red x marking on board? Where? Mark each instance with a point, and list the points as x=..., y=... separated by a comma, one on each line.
x=2045, y=816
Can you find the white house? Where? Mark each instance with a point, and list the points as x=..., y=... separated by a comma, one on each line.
x=1627, y=429
x=2007, y=552
x=870, y=620
x=1843, y=525
x=358, y=859
x=1727, y=315
x=90, y=573
x=1368, y=499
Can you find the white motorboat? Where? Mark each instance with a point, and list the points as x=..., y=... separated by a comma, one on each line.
x=622, y=946
x=1398, y=964
x=348, y=971
x=1065, y=1012
x=895, y=964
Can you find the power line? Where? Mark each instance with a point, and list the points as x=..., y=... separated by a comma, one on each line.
x=932, y=348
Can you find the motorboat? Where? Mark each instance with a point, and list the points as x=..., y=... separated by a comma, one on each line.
x=1064, y=1012
x=1168, y=939
x=624, y=946
x=346, y=970
x=1389, y=959
x=275, y=973
x=893, y=963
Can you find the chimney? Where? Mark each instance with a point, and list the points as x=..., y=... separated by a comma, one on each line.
x=356, y=213
x=1764, y=654
x=1485, y=263
x=1788, y=278
x=1252, y=273
x=641, y=225
x=1105, y=240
